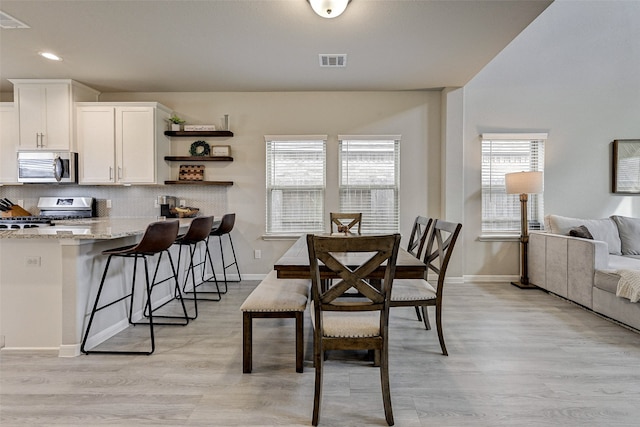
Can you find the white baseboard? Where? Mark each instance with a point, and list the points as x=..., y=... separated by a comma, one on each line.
x=29, y=349
x=491, y=278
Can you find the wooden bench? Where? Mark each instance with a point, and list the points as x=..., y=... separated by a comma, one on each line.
x=274, y=298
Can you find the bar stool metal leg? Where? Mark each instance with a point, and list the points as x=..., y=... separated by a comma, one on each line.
x=177, y=295
x=198, y=233
x=158, y=237
x=225, y=228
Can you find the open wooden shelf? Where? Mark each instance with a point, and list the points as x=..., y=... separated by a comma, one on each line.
x=199, y=158
x=198, y=133
x=222, y=183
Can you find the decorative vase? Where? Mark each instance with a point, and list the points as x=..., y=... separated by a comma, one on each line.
x=175, y=126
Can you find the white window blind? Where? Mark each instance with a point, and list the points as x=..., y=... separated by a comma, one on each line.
x=502, y=154
x=369, y=180
x=295, y=183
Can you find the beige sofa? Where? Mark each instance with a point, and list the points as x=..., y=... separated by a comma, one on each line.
x=584, y=270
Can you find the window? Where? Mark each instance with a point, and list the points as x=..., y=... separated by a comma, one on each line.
x=295, y=184
x=369, y=180
x=502, y=154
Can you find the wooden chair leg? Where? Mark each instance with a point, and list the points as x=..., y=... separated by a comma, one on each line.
x=440, y=332
x=247, y=332
x=418, y=313
x=386, y=389
x=425, y=317
x=318, y=358
x=299, y=341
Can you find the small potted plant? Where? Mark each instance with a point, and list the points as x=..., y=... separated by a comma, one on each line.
x=175, y=122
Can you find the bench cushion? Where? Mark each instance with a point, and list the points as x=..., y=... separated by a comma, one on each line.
x=273, y=294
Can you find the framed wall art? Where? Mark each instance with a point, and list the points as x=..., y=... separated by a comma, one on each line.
x=626, y=166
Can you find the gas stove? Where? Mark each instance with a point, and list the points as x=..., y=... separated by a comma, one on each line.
x=53, y=209
x=19, y=222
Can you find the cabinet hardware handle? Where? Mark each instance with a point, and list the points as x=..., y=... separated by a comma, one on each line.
x=110, y=172
x=119, y=172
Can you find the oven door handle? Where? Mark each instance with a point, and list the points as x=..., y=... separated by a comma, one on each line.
x=58, y=168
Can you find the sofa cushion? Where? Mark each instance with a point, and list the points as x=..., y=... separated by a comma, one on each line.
x=604, y=229
x=582, y=232
x=607, y=280
x=629, y=231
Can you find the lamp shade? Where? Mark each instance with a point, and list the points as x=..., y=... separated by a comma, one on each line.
x=523, y=182
x=329, y=8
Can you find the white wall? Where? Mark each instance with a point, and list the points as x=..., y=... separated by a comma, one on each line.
x=414, y=115
x=574, y=73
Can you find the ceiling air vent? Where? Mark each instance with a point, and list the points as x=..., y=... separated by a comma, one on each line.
x=8, y=22
x=339, y=60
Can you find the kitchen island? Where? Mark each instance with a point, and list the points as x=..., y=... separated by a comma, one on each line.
x=49, y=277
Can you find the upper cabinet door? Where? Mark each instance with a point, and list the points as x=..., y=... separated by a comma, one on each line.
x=136, y=145
x=44, y=112
x=96, y=147
x=8, y=143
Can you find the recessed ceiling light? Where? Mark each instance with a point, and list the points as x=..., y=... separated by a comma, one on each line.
x=51, y=56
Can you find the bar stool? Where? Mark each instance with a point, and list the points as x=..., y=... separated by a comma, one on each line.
x=157, y=239
x=198, y=232
x=224, y=229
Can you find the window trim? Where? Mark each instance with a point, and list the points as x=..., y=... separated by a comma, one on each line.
x=289, y=234
x=395, y=186
x=505, y=235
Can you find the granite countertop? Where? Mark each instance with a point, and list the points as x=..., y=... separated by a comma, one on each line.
x=90, y=228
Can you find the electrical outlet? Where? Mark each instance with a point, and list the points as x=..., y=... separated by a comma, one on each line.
x=20, y=202
x=156, y=204
x=108, y=203
x=33, y=261
x=257, y=254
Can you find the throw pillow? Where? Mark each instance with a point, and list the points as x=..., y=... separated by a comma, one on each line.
x=629, y=229
x=604, y=229
x=581, y=231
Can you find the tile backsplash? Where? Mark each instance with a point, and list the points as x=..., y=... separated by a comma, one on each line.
x=134, y=201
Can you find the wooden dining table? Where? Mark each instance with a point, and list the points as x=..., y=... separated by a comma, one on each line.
x=294, y=264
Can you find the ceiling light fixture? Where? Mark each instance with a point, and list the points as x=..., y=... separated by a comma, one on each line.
x=329, y=8
x=51, y=56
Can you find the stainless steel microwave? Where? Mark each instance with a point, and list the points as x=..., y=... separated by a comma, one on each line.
x=47, y=166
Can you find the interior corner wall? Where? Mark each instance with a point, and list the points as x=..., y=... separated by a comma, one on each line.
x=452, y=173
x=574, y=73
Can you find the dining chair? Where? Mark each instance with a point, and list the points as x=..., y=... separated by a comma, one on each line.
x=348, y=323
x=419, y=292
x=417, y=239
x=344, y=222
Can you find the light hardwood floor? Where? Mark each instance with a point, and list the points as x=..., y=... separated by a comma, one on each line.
x=516, y=358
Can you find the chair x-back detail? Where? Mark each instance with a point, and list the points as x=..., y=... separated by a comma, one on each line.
x=351, y=323
x=419, y=292
x=418, y=237
x=345, y=222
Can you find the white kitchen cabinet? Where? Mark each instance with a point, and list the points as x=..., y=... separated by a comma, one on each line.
x=8, y=143
x=46, y=114
x=122, y=143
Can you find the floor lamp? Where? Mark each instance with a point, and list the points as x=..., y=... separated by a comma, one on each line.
x=524, y=183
